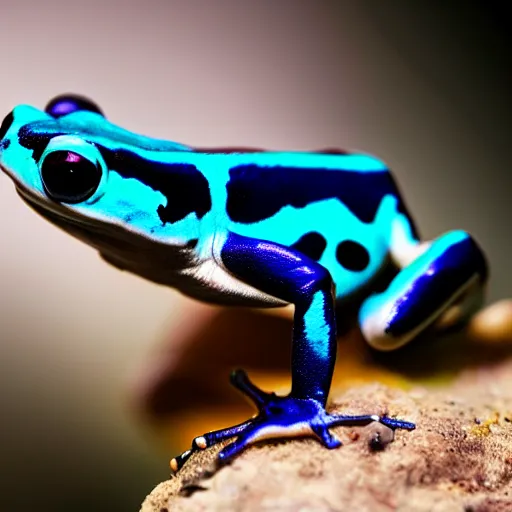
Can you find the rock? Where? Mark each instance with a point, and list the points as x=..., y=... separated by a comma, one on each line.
x=458, y=459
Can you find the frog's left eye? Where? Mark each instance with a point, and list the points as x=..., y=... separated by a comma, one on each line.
x=69, y=177
x=72, y=170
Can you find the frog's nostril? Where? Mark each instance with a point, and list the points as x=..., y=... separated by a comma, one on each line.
x=6, y=124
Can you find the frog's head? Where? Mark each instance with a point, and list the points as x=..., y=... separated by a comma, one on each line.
x=51, y=162
x=92, y=178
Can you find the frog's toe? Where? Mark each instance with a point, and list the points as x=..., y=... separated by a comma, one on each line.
x=336, y=420
x=325, y=437
x=395, y=423
x=240, y=380
x=233, y=449
x=207, y=440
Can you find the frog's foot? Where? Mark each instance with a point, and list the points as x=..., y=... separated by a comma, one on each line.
x=280, y=417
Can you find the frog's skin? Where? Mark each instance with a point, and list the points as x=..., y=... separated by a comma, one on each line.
x=249, y=227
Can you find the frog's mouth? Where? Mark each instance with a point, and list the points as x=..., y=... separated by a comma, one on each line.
x=105, y=237
x=117, y=244
x=56, y=214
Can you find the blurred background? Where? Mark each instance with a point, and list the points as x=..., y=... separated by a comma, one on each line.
x=423, y=85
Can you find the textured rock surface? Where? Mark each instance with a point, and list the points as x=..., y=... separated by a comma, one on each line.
x=458, y=459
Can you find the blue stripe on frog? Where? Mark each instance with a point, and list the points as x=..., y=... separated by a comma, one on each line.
x=186, y=189
x=257, y=192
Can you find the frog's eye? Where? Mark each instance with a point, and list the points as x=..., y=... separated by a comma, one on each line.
x=72, y=170
x=69, y=177
x=69, y=103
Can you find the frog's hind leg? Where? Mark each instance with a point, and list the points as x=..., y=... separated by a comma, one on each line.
x=440, y=283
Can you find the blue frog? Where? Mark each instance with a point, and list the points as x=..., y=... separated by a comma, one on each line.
x=249, y=227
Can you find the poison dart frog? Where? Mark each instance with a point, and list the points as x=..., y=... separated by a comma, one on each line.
x=249, y=227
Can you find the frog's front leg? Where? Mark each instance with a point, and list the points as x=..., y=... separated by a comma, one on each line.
x=290, y=276
x=440, y=284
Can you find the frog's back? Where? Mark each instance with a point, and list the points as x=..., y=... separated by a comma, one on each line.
x=338, y=208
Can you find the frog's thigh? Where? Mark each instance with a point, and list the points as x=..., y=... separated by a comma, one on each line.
x=452, y=270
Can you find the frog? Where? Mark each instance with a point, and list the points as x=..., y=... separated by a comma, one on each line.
x=247, y=227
